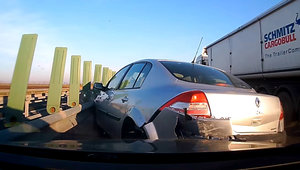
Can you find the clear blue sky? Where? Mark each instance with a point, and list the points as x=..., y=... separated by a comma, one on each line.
x=116, y=32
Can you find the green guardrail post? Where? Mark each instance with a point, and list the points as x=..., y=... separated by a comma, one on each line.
x=56, y=81
x=85, y=95
x=87, y=75
x=97, y=73
x=105, y=76
x=18, y=87
x=109, y=74
x=74, y=89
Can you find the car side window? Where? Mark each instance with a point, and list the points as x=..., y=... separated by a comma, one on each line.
x=115, y=81
x=143, y=75
x=131, y=76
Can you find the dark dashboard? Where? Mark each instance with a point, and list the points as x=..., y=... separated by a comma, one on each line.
x=181, y=154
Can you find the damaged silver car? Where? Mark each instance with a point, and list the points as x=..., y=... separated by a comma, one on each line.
x=159, y=99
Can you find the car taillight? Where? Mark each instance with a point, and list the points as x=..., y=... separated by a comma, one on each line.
x=195, y=103
x=281, y=112
x=281, y=119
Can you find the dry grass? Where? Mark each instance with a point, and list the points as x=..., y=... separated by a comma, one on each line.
x=31, y=88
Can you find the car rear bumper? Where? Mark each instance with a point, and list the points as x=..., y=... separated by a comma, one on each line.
x=169, y=124
x=203, y=127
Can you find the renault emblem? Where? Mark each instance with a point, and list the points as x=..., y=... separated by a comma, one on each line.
x=257, y=102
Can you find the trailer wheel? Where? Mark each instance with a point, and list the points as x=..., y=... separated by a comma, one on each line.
x=298, y=112
x=287, y=105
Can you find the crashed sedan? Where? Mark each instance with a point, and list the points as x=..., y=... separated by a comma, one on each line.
x=159, y=99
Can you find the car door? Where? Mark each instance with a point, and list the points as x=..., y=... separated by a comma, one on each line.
x=122, y=100
x=118, y=100
x=107, y=118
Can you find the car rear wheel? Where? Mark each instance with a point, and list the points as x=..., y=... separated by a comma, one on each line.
x=131, y=131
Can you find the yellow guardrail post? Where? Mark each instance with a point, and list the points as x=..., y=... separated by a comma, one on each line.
x=56, y=81
x=18, y=87
x=74, y=89
x=105, y=76
x=109, y=74
x=87, y=75
x=86, y=82
x=97, y=73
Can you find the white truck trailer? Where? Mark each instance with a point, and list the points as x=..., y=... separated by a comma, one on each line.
x=265, y=53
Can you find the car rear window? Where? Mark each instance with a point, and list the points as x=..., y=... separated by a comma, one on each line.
x=196, y=73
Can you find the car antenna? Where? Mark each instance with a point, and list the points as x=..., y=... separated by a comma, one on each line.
x=197, y=51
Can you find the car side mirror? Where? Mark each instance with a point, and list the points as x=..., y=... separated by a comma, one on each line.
x=98, y=86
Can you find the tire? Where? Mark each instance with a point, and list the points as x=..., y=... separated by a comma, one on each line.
x=131, y=131
x=298, y=112
x=287, y=105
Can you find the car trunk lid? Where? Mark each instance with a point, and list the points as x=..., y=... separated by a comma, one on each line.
x=248, y=112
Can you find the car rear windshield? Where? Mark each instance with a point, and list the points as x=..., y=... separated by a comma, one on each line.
x=197, y=73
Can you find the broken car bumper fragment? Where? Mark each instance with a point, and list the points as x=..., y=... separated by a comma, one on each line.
x=169, y=124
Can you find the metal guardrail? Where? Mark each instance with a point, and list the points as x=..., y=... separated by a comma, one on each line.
x=32, y=96
x=59, y=122
x=3, y=101
x=16, y=104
